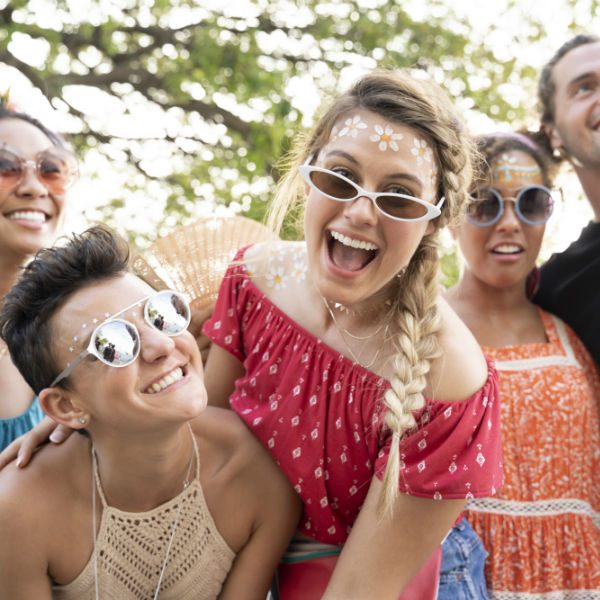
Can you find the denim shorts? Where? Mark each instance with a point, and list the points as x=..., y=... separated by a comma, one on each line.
x=463, y=556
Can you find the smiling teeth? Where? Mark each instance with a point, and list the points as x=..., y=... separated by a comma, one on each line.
x=28, y=215
x=347, y=241
x=166, y=381
x=507, y=249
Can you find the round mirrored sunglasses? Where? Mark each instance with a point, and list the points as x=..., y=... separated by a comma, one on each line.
x=116, y=342
x=533, y=205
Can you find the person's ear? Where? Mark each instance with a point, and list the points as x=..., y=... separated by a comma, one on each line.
x=432, y=226
x=59, y=404
x=556, y=142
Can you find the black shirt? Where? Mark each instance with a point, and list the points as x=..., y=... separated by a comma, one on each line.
x=570, y=287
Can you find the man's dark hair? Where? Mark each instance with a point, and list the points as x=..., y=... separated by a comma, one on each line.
x=46, y=284
x=546, y=87
x=6, y=113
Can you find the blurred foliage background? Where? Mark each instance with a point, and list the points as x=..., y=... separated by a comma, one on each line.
x=182, y=108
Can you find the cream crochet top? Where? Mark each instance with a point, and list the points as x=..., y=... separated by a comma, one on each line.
x=131, y=549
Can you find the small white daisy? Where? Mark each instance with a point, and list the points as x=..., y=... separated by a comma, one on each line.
x=385, y=137
x=421, y=150
x=298, y=272
x=351, y=126
x=276, y=278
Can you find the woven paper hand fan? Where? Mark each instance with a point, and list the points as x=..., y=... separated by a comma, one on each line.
x=192, y=259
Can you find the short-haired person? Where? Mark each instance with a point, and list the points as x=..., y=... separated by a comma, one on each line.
x=36, y=170
x=569, y=95
x=541, y=531
x=161, y=497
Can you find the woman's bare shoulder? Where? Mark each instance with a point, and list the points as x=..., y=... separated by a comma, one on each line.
x=55, y=475
x=233, y=460
x=277, y=264
x=224, y=439
x=461, y=369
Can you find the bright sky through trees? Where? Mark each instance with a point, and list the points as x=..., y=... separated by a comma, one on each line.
x=182, y=108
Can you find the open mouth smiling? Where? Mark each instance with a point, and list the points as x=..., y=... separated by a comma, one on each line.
x=350, y=254
x=32, y=216
x=507, y=249
x=177, y=374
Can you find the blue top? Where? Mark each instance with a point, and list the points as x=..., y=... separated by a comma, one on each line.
x=12, y=428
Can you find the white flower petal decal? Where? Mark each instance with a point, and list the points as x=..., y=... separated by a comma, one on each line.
x=386, y=138
x=351, y=126
x=422, y=151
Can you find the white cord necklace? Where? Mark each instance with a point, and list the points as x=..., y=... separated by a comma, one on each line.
x=186, y=484
x=343, y=331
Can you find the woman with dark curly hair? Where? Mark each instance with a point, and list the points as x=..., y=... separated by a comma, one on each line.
x=36, y=169
x=541, y=531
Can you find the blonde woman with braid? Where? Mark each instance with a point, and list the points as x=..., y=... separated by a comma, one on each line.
x=341, y=357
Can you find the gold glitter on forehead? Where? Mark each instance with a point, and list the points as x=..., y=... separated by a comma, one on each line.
x=507, y=166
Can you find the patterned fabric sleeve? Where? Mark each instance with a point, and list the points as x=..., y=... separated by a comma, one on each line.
x=455, y=451
x=224, y=326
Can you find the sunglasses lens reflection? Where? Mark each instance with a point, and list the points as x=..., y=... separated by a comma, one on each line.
x=57, y=170
x=485, y=207
x=333, y=186
x=10, y=169
x=168, y=312
x=535, y=205
x=117, y=343
x=397, y=207
x=401, y=208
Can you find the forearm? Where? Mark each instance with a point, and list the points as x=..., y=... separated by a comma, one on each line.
x=382, y=555
x=220, y=373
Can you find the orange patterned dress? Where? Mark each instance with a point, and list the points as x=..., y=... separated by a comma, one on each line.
x=542, y=531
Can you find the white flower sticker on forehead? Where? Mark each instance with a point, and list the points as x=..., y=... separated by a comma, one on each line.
x=351, y=126
x=507, y=158
x=385, y=137
x=421, y=150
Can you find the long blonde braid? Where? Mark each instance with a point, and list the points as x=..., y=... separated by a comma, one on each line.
x=416, y=314
x=417, y=320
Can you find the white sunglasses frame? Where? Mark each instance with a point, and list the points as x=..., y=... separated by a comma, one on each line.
x=433, y=211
